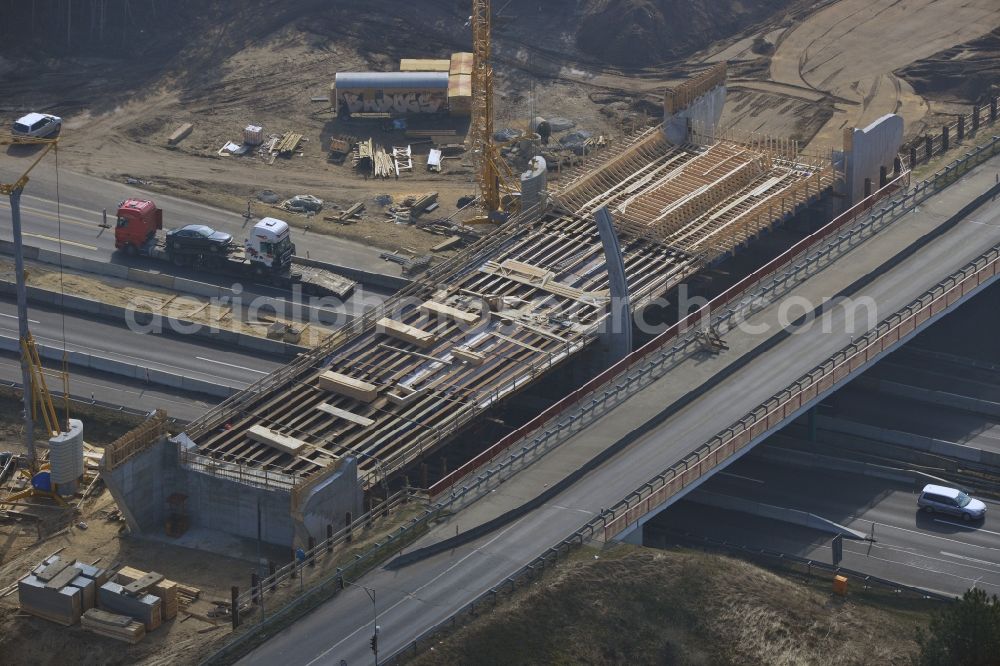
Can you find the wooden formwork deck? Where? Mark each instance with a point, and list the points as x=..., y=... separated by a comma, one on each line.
x=435, y=362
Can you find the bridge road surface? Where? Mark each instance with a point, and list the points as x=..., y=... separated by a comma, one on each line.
x=182, y=355
x=417, y=597
x=84, y=197
x=86, y=384
x=935, y=552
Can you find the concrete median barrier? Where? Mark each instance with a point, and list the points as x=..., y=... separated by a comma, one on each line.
x=121, y=316
x=941, y=447
x=371, y=278
x=124, y=369
x=203, y=289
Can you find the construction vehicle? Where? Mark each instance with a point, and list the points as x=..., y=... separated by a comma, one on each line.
x=265, y=257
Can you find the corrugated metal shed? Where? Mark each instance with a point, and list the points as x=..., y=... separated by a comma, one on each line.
x=389, y=80
x=421, y=65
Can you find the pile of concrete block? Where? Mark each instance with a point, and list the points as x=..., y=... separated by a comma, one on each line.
x=60, y=590
x=166, y=590
x=137, y=605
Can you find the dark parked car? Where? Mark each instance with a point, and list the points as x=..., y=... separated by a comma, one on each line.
x=198, y=238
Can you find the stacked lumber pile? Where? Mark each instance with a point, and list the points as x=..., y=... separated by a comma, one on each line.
x=166, y=590
x=288, y=143
x=347, y=216
x=112, y=625
x=403, y=158
x=187, y=595
x=132, y=600
x=60, y=590
x=383, y=165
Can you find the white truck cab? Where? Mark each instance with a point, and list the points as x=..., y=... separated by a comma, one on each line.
x=270, y=244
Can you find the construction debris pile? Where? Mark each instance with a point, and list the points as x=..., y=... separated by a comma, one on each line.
x=124, y=606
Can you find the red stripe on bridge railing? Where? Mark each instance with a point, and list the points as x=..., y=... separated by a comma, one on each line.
x=786, y=402
x=692, y=319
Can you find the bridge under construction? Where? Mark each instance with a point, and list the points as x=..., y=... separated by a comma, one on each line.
x=403, y=380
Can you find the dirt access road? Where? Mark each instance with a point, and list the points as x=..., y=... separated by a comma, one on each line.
x=850, y=49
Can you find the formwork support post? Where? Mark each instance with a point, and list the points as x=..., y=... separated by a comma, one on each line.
x=234, y=605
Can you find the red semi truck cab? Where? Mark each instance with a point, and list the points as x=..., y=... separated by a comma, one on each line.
x=138, y=221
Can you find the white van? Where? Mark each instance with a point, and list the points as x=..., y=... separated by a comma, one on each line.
x=37, y=126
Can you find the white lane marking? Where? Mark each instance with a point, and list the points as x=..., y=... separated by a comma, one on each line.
x=238, y=367
x=407, y=596
x=966, y=527
x=51, y=215
x=978, y=581
x=15, y=317
x=880, y=526
x=970, y=559
x=738, y=476
x=569, y=508
x=916, y=553
x=114, y=356
x=53, y=239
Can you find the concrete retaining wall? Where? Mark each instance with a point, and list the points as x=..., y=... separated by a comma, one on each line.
x=912, y=441
x=393, y=282
x=155, y=323
x=221, y=505
x=702, y=116
x=141, y=485
x=779, y=513
x=943, y=398
x=329, y=502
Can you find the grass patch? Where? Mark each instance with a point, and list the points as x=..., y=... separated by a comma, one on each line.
x=630, y=605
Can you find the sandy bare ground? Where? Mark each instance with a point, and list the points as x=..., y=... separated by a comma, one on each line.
x=850, y=48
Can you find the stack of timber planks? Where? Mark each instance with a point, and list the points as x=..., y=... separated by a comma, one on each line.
x=288, y=143
x=112, y=625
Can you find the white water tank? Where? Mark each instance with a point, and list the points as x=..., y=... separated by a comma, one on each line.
x=66, y=456
x=533, y=183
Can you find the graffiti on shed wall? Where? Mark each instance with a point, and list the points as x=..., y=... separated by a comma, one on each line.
x=390, y=102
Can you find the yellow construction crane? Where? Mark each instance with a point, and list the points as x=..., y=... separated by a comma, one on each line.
x=37, y=399
x=497, y=183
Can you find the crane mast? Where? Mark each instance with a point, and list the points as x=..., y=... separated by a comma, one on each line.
x=495, y=176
